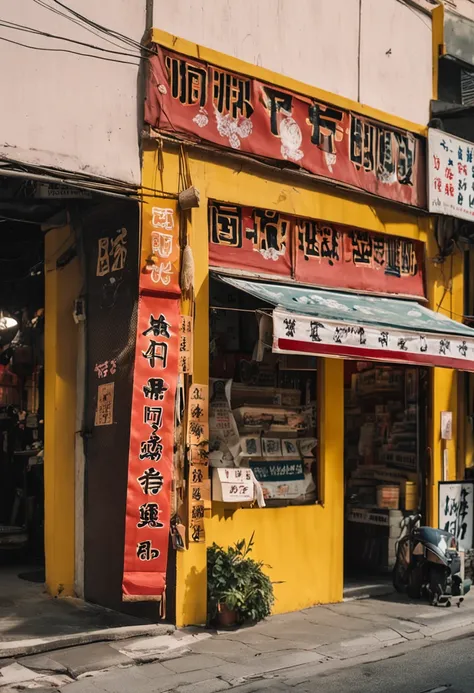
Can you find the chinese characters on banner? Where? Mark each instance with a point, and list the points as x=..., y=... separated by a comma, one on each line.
x=450, y=175
x=304, y=334
x=150, y=467
x=199, y=489
x=151, y=448
x=160, y=246
x=241, y=113
x=313, y=252
x=186, y=345
x=456, y=511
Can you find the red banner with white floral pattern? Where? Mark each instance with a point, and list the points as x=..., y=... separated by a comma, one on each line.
x=192, y=98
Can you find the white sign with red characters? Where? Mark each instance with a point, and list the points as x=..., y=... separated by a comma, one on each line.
x=450, y=175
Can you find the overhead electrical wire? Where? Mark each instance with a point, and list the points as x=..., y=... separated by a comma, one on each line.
x=87, y=24
x=104, y=29
x=66, y=50
x=38, y=32
x=44, y=5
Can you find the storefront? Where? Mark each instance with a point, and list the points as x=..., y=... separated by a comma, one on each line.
x=282, y=264
x=69, y=258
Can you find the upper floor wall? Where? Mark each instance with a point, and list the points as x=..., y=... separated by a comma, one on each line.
x=61, y=107
x=378, y=52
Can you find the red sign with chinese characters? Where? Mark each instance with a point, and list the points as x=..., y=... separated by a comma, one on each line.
x=196, y=99
x=150, y=465
x=160, y=246
x=147, y=524
x=313, y=252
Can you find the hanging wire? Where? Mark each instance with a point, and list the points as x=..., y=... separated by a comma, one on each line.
x=38, y=32
x=54, y=10
x=66, y=50
x=100, y=27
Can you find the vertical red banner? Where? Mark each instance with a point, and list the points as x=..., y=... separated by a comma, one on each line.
x=151, y=448
x=150, y=466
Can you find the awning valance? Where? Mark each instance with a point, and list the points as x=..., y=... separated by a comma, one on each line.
x=348, y=325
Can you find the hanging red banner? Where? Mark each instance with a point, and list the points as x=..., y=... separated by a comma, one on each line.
x=194, y=98
x=313, y=251
x=150, y=474
x=160, y=246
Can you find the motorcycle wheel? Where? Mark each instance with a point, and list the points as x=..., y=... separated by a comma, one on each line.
x=399, y=578
x=437, y=583
x=415, y=583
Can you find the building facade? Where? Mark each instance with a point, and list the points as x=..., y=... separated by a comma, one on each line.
x=272, y=155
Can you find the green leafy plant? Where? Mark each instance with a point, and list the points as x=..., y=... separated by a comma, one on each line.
x=238, y=583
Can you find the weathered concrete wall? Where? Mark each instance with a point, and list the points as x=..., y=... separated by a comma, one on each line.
x=66, y=110
x=375, y=51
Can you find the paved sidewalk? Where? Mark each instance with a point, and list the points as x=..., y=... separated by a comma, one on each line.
x=31, y=621
x=199, y=661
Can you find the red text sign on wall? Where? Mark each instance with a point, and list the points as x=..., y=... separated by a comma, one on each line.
x=313, y=252
x=150, y=465
x=191, y=97
x=160, y=246
x=151, y=448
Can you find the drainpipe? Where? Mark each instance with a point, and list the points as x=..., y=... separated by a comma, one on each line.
x=79, y=452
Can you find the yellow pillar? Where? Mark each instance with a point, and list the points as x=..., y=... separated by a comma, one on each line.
x=331, y=462
x=61, y=288
x=445, y=284
x=191, y=583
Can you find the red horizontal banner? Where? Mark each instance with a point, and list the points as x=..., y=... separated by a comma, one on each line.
x=289, y=346
x=196, y=99
x=313, y=252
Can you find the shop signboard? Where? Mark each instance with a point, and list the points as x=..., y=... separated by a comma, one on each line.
x=450, y=175
x=361, y=327
x=456, y=510
x=191, y=98
x=313, y=251
x=303, y=334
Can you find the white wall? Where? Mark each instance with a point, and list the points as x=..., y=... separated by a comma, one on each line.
x=69, y=111
x=396, y=59
x=317, y=42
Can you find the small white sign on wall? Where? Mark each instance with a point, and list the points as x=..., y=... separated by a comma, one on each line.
x=446, y=425
x=450, y=175
x=456, y=510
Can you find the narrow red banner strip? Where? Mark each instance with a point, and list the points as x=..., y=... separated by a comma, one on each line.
x=151, y=448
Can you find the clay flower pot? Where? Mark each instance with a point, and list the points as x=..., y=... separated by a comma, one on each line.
x=226, y=618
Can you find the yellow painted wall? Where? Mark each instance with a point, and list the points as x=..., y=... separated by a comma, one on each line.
x=445, y=290
x=61, y=288
x=303, y=545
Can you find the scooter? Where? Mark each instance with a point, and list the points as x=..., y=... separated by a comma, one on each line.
x=428, y=565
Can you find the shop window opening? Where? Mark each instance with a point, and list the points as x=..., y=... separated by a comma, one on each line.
x=263, y=413
x=385, y=464
x=21, y=399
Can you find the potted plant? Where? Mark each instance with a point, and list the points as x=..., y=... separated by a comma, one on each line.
x=237, y=588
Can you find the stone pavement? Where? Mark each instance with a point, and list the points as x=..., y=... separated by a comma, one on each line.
x=31, y=621
x=202, y=661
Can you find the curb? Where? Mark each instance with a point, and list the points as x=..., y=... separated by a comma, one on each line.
x=17, y=648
